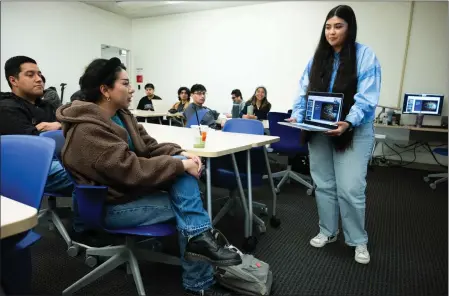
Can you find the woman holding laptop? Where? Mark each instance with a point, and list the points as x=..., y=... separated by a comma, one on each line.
x=339, y=157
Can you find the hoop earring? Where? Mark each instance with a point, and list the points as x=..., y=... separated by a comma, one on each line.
x=108, y=99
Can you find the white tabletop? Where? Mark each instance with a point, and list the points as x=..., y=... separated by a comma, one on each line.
x=217, y=143
x=16, y=217
x=144, y=113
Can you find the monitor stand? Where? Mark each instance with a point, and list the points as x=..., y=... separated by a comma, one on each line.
x=419, y=120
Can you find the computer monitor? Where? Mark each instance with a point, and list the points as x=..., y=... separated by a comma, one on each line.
x=424, y=104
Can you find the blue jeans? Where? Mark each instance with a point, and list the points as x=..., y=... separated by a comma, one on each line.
x=184, y=205
x=59, y=182
x=340, y=179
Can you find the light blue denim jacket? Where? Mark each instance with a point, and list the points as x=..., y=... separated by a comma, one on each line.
x=368, y=87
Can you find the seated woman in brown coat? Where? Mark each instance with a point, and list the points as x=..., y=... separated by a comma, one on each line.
x=106, y=146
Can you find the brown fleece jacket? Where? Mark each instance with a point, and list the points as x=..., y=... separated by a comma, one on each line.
x=96, y=152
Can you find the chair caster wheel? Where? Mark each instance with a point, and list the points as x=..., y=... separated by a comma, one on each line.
x=433, y=185
x=51, y=226
x=310, y=192
x=91, y=261
x=73, y=250
x=426, y=179
x=250, y=244
x=264, y=211
x=275, y=222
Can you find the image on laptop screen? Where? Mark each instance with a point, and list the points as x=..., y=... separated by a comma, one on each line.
x=325, y=110
x=423, y=104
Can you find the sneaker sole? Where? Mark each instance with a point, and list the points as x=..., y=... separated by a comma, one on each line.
x=222, y=263
x=363, y=261
x=334, y=239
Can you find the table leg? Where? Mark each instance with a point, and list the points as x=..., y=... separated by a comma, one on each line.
x=208, y=188
x=270, y=178
x=160, y=120
x=242, y=195
x=169, y=121
x=250, y=193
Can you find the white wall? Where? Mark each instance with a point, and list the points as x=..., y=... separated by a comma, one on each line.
x=427, y=69
x=267, y=44
x=62, y=37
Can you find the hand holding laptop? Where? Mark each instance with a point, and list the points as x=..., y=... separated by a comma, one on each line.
x=342, y=127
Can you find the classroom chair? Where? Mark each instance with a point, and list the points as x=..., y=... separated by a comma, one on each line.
x=442, y=176
x=24, y=165
x=24, y=174
x=223, y=176
x=289, y=146
x=91, y=201
x=50, y=212
x=194, y=120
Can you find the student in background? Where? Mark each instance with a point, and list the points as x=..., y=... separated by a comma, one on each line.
x=146, y=103
x=149, y=182
x=183, y=100
x=180, y=106
x=339, y=158
x=51, y=95
x=78, y=95
x=237, y=99
x=260, y=105
x=198, y=94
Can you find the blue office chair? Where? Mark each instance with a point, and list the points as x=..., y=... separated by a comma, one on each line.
x=442, y=176
x=288, y=145
x=50, y=212
x=91, y=200
x=193, y=120
x=25, y=162
x=223, y=176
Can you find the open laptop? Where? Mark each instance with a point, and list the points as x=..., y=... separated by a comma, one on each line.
x=323, y=111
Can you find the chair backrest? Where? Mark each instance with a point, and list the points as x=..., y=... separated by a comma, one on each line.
x=24, y=166
x=244, y=126
x=289, y=137
x=58, y=136
x=193, y=120
x=90, y=201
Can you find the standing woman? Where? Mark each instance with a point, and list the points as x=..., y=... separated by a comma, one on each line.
x=260, y=104
x=339, y=158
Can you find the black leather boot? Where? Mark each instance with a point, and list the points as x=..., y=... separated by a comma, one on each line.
x=204, y=247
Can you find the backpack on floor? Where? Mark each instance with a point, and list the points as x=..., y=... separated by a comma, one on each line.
x=251, y=277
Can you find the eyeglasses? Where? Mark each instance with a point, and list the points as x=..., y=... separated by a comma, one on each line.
x=200, y=93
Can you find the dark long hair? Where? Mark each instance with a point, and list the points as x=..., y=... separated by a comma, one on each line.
x=253, y=99
x=346, y=79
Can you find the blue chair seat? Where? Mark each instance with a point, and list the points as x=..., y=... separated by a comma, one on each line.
x=440, y=151
x=156, y=230
x=226, y=179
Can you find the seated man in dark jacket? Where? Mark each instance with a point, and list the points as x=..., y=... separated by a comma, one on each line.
x=23, y=112
x=198, y=94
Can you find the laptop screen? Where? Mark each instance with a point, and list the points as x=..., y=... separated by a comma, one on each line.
x=323, y=109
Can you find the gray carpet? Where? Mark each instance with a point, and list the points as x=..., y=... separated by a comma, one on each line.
x=408, y=240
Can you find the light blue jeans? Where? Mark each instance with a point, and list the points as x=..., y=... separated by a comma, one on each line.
x=59, y=182
x=340, y=179
x=184, y=205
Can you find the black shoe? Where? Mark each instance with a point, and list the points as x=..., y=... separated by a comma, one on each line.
x=204, y=247
x=214, y=290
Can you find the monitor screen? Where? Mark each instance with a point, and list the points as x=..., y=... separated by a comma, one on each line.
x=423, y=104
x=322, y=109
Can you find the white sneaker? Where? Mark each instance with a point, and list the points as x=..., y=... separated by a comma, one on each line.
x=321, y=240
x=362, y=254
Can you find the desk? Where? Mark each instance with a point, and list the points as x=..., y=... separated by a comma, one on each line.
x=16, y=217
x=413, y=133
x=149, y=114
x=218, y=144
